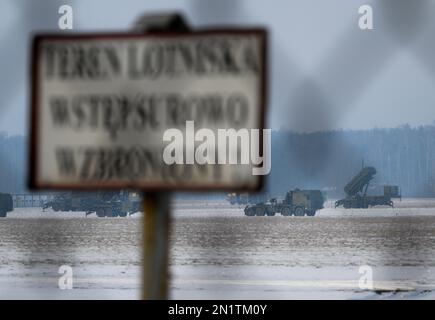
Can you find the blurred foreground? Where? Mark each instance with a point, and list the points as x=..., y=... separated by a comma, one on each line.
x=217, y=252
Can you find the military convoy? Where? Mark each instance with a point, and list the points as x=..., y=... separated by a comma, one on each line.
x=296, y=203
x=356, y=192
x=6, y=204
x=307, y=202
x=104, y=204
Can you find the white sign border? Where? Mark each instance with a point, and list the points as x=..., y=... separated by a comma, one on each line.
x=34, y=178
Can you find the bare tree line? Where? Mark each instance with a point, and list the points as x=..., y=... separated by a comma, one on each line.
x=402, y=156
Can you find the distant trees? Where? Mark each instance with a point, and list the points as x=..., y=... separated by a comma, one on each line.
x=403, y=156
x=13, y=162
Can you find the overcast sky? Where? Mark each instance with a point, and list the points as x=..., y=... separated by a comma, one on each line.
x=325, y=73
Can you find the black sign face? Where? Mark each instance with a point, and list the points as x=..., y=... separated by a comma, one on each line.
x=149, y=111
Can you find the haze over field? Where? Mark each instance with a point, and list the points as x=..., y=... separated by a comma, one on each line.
x=402, y=156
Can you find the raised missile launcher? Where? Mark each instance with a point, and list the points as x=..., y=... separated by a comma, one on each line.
x=356, y=192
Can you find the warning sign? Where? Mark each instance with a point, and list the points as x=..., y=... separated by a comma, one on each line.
x=149, y=111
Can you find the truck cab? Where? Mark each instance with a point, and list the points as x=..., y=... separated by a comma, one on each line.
x=296, y=203
x=6, y=204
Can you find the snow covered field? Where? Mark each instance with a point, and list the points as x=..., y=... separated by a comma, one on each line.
x=217, y=252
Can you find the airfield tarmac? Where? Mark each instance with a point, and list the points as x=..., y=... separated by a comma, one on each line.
x=218, y=253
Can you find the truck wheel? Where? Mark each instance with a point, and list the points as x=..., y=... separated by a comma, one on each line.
x=3, y=214
x=249, y=212
x=311, y=213
x=286, y=212
x=260, y=212
x=299, y=212
x=270, y=213
x=122, y=214
x=55, y=207
x=100, y=213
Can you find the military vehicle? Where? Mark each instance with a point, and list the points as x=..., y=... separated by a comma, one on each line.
x=245, y=198
x=6, y=204
x=297, y=202
x=104, y=204
x=356, y=192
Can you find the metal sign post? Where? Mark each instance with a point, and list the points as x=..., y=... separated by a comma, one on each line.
x=156, y=221
x=156, y=224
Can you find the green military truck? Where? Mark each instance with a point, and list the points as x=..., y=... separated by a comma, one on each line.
x=296, y=203
x=6, y=204
x=356, y=192
x=104, y=204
